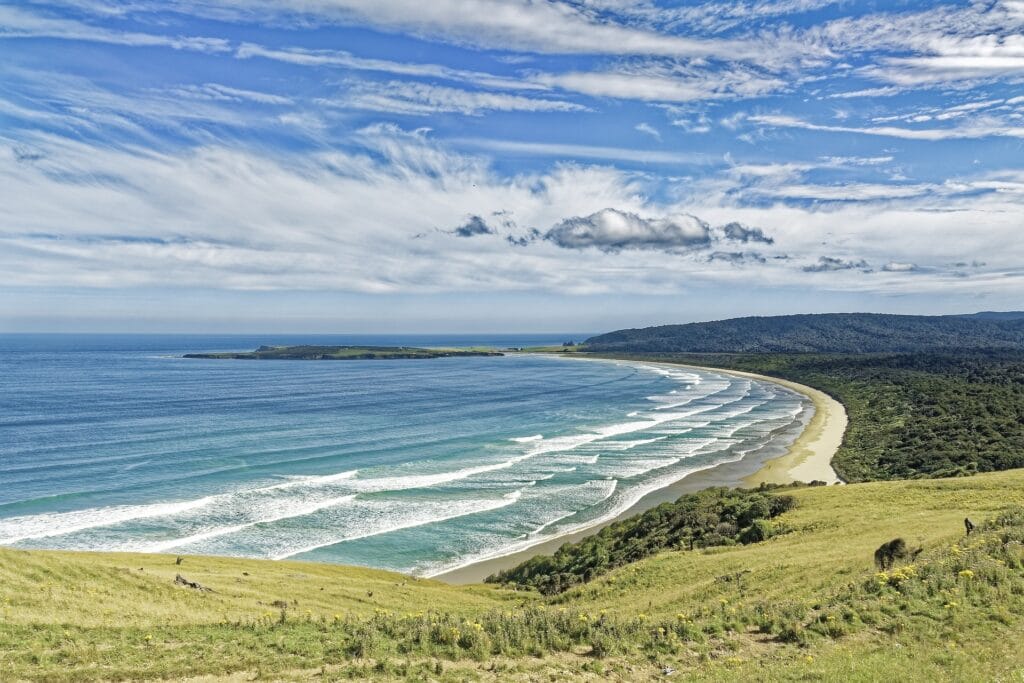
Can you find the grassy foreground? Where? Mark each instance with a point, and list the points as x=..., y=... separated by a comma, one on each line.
x=805, y=605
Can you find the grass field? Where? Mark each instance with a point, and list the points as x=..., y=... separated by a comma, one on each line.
x=805, y=605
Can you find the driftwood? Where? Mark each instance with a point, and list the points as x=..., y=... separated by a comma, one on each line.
x=182, y=581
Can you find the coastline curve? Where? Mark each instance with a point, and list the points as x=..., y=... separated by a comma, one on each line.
x=807, y=459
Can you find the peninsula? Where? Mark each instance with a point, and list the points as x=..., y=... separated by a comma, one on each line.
x=342, y=353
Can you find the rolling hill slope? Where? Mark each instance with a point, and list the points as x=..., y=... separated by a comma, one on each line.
x=823, y=333
x=804, y=605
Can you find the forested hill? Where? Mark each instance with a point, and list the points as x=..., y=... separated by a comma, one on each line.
x=823, y=333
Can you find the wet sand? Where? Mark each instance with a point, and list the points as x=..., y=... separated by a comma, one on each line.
x=807, y=459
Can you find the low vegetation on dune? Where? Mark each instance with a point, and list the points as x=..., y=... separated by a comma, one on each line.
x=911, y=415
x=807, y=604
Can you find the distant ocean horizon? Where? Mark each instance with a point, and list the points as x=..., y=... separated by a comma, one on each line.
x=114, y=442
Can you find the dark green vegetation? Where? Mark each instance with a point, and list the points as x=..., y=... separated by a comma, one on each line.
x=712, y=517
x=343, y=353
x=825, y=333
x=911, y=415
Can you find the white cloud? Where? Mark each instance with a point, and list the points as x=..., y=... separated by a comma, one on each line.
x=224, y=93
x=648, y=129
x=570, y=151
x=77, y=215
x=612, y=230
x=404, y=97
x=898, y=267
x=656, y=84
x=943, y=44
x=346, y=60
x=887, y=91
x=17, y=23
x=848, y=191
x=975, y=129
x=523, y=25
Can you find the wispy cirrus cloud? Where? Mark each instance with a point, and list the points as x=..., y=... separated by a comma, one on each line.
x=403, y=97
x=346, y=60
x=573, y=151
x=972, y=130
x=224, y=93
x=544, y=27
x=18, y=23
x=657, y=83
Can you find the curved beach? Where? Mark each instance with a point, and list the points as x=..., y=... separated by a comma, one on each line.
x=807, y=459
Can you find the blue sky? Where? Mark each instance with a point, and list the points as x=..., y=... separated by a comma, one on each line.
x=483, y=165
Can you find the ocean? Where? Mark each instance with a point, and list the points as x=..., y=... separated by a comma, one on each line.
x=115, y=442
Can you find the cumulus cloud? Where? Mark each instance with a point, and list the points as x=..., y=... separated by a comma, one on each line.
x=532, y=235
x=741, y=233
x=828, y=264
x=611, y=230
x=473, y=227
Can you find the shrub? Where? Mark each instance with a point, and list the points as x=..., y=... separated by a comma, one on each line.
x=705, y=519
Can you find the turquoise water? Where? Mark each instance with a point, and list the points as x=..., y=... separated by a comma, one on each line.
x=117, y=443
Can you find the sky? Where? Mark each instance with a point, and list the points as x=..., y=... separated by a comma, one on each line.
x=504, y=165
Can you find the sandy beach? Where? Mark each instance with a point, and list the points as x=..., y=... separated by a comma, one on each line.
x=807, y=459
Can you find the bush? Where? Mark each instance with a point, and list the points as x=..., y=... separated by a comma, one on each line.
x=759, y=530
x=705, y=519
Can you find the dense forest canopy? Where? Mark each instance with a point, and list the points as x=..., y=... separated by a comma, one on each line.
x=824, y=333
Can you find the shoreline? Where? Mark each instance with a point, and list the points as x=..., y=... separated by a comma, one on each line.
x=807, y=459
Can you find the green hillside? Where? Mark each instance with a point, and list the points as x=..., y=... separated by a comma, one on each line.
x=807, y=604
x=823, y=333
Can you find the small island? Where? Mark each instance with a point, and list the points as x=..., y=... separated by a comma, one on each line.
x=342, y=353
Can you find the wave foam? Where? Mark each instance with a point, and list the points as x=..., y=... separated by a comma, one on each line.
x=527, y=439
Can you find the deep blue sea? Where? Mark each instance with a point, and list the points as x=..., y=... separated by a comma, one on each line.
x=115, y=442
